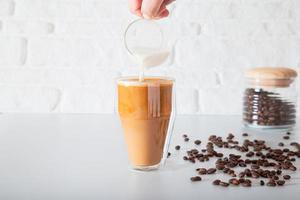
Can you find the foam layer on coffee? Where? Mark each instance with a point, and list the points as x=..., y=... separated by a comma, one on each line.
x=148, y=81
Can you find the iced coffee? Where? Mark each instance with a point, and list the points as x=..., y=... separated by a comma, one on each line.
x=146, y=110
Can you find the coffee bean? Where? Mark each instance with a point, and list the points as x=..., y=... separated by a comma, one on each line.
x=185, y=158
x=241, y=180
x=231, y=164
x=177, y=147
x=202, y=171
x=280, y=182
x=242, y=164
x=201, y=159
x=248, y=181
x=246, y=184
x=220, y=166
x=278, y=172
x=287, y=177
x=245, y=134
x=225, y=170
x=247, y=172
x=186, y=139
x=262, y=183
x=285, y=150
x=196, y=178
x=293, y=168
x=184, y=135
x=197, y=142
x=294, y=144
x=169, y=154
x=224, y=184
x=230, y=136
x=281, y=144
x=255, y=174
x=250, y=154
x=216, y=182
x=260, y=154
x=285, y=166
x=219, y=155
x=286, y=137
x=234, y=181
x=242, y=174
x=271, y=183
x=254, y=166
x=288, y=133
x=211, y=170
x=211, y=137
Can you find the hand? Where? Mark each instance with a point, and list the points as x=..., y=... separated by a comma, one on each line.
x=150, y=9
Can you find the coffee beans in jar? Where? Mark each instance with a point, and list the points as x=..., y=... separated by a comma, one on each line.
x=270, y=98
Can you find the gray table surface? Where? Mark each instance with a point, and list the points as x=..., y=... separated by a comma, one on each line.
x=52, y=156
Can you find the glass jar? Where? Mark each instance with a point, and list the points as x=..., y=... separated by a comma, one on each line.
x=270, y=98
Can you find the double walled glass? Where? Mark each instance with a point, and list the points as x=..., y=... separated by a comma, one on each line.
x=147, y=112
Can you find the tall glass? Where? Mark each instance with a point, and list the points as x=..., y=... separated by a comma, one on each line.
x=147, y=111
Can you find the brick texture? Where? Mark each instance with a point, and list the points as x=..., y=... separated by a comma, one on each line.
x=28, y=27
x=6, y=7
x=12, y=51
x=63, y=55
x=29, y=99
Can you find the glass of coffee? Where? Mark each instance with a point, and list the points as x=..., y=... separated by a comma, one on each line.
x=147, y=110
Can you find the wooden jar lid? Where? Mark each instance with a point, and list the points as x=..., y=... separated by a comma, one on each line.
x=271, y=76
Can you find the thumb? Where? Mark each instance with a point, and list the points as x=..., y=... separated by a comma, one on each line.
x=150, y=8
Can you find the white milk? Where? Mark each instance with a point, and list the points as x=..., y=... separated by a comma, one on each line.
x=148, y=58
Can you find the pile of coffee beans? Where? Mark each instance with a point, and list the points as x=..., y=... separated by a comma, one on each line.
x=255, y=158
x=265, y=108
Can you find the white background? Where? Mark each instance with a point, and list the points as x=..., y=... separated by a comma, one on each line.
x=62, y=55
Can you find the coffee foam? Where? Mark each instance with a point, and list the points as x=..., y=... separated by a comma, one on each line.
x=148, y=81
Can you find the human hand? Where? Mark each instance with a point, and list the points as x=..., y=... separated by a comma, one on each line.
x=150, y=9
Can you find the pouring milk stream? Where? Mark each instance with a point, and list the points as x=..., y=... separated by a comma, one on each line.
x=147, y=58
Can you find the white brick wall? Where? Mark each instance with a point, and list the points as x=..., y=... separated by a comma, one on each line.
x=63, y=55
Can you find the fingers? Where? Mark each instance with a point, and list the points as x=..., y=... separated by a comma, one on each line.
x=167, y=2
x=135, y=7
x=150, y=8
x=164, y=13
